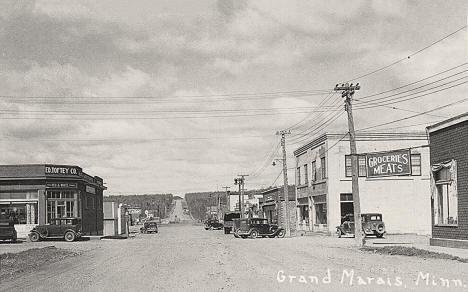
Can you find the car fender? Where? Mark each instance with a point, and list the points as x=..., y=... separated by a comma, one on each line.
x=340, y=228
x=277, y=230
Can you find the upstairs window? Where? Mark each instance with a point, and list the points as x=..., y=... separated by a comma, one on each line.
x=324, y=167
x=298, y=176
x=314, y=171
x=306, y=174
x=361, y=165
x=416, y=164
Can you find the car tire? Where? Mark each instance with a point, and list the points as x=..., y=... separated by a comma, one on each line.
x=281, y=234
x=69, y=236
x=236, y=235
x=254, y=234
x=338, y=233
x=34, y=237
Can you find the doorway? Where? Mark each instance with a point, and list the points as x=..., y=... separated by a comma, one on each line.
x=346, y=204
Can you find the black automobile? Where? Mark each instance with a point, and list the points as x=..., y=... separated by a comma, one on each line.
x=372, y=224
x=7, y=228
x=213, y=224
x=66, y=228
x=228, y=221
x=255, y=227
x=149, y=227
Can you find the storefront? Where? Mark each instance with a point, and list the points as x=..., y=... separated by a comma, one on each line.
x=449, y=182
x=273, y=206
x=393, y=180
x=34, y=194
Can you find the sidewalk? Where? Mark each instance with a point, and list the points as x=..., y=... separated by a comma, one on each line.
x=416, y=241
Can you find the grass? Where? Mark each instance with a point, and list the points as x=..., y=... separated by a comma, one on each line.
x=412, y=252
x=29, y=260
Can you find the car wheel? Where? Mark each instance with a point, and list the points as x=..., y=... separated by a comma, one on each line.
x=69, y=236
x=254, y=234
x=281, y=233
x=338, y=233
x=236, y=235
x=34, y=237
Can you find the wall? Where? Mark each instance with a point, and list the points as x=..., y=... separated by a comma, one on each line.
x=446, y=144
x=292, y=215
x=402, y=200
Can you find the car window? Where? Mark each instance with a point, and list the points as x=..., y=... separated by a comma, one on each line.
x=375, y=217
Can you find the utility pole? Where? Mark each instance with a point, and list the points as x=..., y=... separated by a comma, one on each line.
x=347, y=91
x=285, y=180
x=241, y=181
x=227, y=196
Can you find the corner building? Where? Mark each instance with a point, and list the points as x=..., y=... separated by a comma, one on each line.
x=35, y=193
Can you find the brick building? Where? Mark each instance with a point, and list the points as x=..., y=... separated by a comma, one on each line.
x=35, y=193
x=449, y=181
x=270, y=206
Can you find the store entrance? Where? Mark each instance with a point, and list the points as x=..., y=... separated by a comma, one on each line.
x=347, y=205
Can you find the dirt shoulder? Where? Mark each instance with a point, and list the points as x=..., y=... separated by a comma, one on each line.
x=12, y=264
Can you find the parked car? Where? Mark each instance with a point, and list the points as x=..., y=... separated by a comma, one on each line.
x=149, y=227
x=213, y=224
x=7, y=228
x=228, y=221
x=255, y=227
x=66, y=228
x=372, y=224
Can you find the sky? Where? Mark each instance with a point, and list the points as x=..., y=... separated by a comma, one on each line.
x=175, y=96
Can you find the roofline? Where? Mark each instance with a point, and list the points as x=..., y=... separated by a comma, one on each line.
x=362, y=136
x=447, y=123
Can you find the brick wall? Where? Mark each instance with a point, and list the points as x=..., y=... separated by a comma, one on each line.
x=446, y=144
x=292, y=215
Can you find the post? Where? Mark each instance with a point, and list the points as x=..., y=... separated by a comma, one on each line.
x=227, y=197
x=241, y=181
x=285, y=183
x=347, y=93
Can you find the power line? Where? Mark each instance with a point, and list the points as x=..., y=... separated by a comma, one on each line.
x=416, y=115
x=407, y=57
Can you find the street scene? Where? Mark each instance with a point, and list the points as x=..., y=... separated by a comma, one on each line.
x=233, y=145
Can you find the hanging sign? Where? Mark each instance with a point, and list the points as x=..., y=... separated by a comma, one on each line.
x=390, y=163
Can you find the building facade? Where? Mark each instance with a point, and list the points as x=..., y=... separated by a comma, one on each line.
x=273, y=206
x=36, y=193
x=324, y=188
x=449, y=182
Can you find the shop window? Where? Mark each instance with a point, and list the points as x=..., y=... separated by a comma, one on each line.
x=299, y=176
x=306, y=174
x=324, y=167
x=321, y=213
x=416, y=164
x=314, y=171
x=361, y=166
x=444, y=192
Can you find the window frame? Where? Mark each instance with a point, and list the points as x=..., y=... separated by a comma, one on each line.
x=314, y=170
x=298, y=171
x=413, y=165
x=360, y=157
x=306, y=174
x=323, y=167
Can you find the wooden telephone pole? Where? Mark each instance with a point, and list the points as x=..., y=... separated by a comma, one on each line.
x=241, y=181
x=347, y=91
x=285, y=180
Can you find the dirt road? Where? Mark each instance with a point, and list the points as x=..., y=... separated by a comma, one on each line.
x=188, y=258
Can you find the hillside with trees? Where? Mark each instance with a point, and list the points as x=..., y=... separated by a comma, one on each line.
x=158, y=204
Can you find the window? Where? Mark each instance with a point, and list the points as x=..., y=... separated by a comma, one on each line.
x=445, y=197
x=416, y=164
x=89, y=203
x=361, y=166
x=306, y=174
x=298, y=176
x=324, y=167
x=314, y=171
x=321, y=213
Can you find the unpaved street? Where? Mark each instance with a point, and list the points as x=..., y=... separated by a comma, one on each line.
x=188, y=258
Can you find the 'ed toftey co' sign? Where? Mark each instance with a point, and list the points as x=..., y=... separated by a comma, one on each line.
x=390, y=163
x=61, y=170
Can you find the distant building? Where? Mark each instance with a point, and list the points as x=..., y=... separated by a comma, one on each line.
x=394, y=183
x=36, y=193
x=449, y=181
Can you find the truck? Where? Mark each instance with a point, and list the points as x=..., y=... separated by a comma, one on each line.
x=228, y=221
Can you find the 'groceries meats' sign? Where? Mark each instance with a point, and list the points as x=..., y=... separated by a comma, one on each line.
x=389, y=163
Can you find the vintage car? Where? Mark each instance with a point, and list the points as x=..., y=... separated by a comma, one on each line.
x=255, y=227
x=372, y=224
x=228, y=221
x=213, y=224
x=66, y=228
x=149, y=227
x=7, y=228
